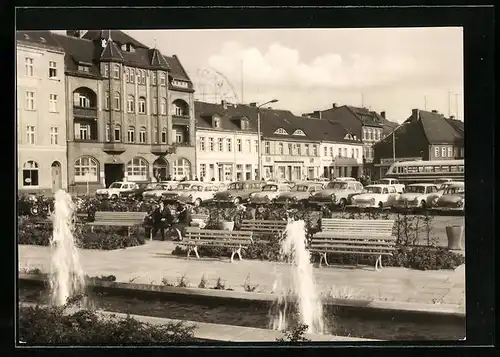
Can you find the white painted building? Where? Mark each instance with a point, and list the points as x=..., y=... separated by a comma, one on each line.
x=41, y=112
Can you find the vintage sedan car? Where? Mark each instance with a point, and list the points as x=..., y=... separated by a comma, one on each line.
x=159, y=189
x=400, y=188
x=376, y=196
x=137, y=193
x=442, y=180
x=453, y=199
x=433, y=198
x=238, y=192
x=269, y=193
x=300, y=193
x=198, y=193
x=114, y=190
x=173, y=195
x=418, y=195
x=337, y=193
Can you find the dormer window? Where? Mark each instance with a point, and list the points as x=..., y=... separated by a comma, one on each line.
x=178, y=83
x=299, y=132
x=216, y=121
x=244, y=124
x=281, y=131
x=85, y=69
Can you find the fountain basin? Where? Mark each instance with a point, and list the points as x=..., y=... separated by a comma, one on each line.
x=354, y=318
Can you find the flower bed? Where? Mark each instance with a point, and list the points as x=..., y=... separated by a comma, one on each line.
x=55, y=326
x=31, y=231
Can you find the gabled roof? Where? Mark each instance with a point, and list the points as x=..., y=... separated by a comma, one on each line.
x=157, y=60
x=178, y=71
x=366, y=116
x=229, y=118
x=458, y=125
x=437, y=129
x=111, y=52
x=38, y=38
x=117, y=36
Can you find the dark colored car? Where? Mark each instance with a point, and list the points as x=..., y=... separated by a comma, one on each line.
x=137, y=192
x=239, y=192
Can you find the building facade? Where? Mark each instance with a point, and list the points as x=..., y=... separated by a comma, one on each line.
x=41, y=113
x=423, y=136
x=130, y=111
x=227, y=145
x=362, y=123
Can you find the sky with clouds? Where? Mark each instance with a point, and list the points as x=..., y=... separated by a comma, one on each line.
x=390, y=69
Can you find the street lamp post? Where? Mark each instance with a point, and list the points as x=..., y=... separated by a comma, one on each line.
x=394, y=142
x=259, y=140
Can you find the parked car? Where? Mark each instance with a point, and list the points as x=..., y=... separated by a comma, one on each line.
x=198, y=193
x=173, y=195
x=269, y=193
x=376, y=196
x=440, y=181
x=159, y=188
x=344, y=178
x=238, y=192
x=114, y=190
x=337, y=193
x=300, y=193
x=400, y=188
x=434, y=197
x=416, y=196
x=453, y=199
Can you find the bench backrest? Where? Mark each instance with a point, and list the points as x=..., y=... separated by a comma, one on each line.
x=360, y=226
x=103, y=216
x=200, y=217
x=218, y=235
x=263, y=225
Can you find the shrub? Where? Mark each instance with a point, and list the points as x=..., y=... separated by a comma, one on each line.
x=32, y=231
x=294, y=333
x=203, y=282
x=55, y=326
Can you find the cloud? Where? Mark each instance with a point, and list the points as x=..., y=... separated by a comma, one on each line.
x=281, y=67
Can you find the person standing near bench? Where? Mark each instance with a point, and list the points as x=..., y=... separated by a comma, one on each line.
x=161, y=218
x=183, y=220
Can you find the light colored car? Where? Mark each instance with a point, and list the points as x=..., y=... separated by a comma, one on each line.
x=400, y=188
x=114, y=190
x=181, y=187
x=453, y=199
x=337, y=193
x=440, y=181
x=238, y=192
x=376, y=196
x=269, y=193
x=432, y=200
x=300, y=193
x=416, y=196
x=159, y=189
x=344, y=178
x=198, y=193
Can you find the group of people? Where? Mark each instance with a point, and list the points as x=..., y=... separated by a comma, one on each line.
x=161, y=218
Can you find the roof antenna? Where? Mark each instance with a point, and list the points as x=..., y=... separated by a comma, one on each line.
x=109, y=37
x=154, y=39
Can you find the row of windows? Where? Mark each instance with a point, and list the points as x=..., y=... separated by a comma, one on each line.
x=31, y=137
x=372, y=134
x=446, y=151
x=342, y=152
x=429, y=169
x=30, y=101
x=240, y=145
x=135, y=75
x=29, y=68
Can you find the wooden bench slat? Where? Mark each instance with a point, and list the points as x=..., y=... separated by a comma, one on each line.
x=321, y=243
x=352, y=252
x=355, y=246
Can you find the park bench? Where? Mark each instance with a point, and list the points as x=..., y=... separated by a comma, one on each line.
x=354, y=236
x=118, y=219
x=260, y=227
x=234, y=240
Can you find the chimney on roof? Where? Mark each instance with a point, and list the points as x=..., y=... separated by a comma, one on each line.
x=253, y=104
x=224, y=104
x=415, y=115
x=382, y=114
x=334, y=105
x=434, y=111
x=452, y=117
x=73, y=33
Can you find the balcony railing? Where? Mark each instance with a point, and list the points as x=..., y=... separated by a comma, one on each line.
x=185, y=143
x=162, y=149
x=84, y=112
x=114, y=147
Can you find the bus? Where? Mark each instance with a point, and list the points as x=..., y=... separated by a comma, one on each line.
x=426, y=171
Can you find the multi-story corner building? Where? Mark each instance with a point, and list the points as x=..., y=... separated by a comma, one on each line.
x=227, y=146
x=41, y=112
x=368, y=125
x=423, y=136
x=130, y=111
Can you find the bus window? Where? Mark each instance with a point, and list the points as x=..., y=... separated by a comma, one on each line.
x=437, y=168
x=453, y=168
x=405, y=169
x=445, y=168
x=461, y=168
x=420, y=169
x=428, y=169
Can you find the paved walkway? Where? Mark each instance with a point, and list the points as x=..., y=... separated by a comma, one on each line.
x=153, y=262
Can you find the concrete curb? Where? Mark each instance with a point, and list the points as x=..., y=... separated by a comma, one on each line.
x=394, y=307
x=225, y=333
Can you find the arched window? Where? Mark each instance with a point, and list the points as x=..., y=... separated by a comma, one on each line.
x=281, y=131
x=182, y=167
x=30, y=173
x=131, y=134
x=160, y=169
x=143, y=135
x=137, y=169
x=130, y=104
x=142, y=105
x=164, y=136
x=180, y=108
x=86, y=169
x=299, y=132
x=118, y=132
x=163, y=106
x=116, y=101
